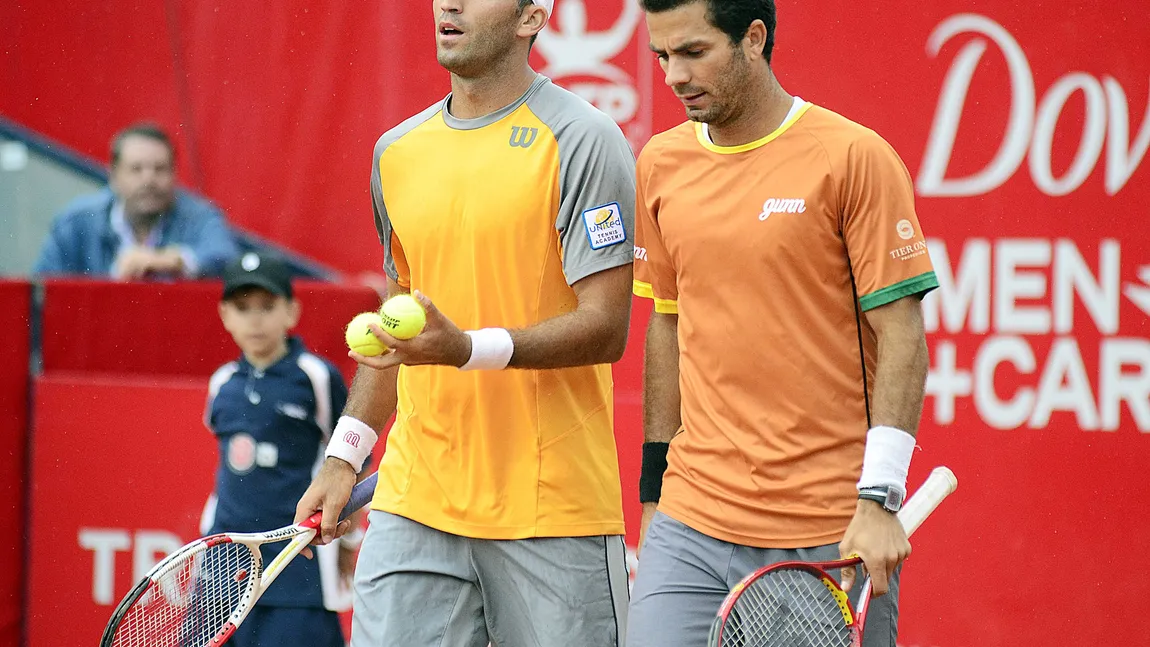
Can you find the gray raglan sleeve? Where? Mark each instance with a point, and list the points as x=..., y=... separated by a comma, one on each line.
x=596, y=221
x=394, y=261
x=379, y=208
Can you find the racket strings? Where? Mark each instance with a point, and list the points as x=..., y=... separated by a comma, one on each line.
x=189, y=604
x=786, y=608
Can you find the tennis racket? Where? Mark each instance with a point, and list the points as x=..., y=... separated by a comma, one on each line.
x=797, y=604
x=198, y=595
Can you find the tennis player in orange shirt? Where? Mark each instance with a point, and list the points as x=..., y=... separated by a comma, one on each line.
x=786, y=359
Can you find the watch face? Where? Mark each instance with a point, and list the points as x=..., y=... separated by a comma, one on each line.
x=889, y=498
x=893, y=499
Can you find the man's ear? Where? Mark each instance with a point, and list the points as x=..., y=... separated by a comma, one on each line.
x=756, y=39
x=533, y=20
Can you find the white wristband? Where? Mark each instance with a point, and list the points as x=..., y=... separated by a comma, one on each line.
x=351, y=441
x=886, y=460
x=491, y=350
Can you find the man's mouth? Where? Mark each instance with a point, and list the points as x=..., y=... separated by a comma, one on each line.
x=449, y=29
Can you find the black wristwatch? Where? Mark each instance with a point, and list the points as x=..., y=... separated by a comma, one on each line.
x=890, y=498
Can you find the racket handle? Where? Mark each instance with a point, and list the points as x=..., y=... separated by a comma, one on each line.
x=360, y=496
x=939, y=485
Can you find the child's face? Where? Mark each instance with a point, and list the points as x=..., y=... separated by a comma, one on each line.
x=258, y=320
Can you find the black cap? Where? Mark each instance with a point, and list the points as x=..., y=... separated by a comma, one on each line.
x=252, y=269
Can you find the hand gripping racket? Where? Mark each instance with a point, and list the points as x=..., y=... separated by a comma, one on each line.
x=797, y=604
x=198, y=595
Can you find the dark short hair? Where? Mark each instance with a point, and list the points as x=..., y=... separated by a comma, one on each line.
x=732, y=17
x=143, y=129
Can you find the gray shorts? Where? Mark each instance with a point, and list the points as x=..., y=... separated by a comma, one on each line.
x=684, y=575
x=419, y=587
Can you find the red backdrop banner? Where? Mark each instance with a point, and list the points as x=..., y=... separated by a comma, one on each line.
x=16, y=297
x=118, y=482
x=175, y=329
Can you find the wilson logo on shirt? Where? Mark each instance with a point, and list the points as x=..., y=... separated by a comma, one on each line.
x=782, y=205
x=604, y=225
x=523, y=137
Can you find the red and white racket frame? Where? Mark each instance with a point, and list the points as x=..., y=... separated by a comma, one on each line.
x=940, y=484
x=300, y=535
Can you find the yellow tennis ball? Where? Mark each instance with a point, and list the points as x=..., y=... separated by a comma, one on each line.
x=360, y=338
x=403, y=317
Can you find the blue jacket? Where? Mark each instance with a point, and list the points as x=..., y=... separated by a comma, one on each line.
x=82, y=240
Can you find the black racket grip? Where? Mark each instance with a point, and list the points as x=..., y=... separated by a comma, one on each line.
x=360, y=496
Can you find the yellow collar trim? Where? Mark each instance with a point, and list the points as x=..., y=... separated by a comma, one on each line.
x=758, y=143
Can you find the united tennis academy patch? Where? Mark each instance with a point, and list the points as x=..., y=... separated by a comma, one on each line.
x=604, y=225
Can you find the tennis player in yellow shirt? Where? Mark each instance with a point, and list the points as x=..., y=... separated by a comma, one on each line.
x=498, y=514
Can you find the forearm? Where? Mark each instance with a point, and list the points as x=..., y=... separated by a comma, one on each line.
x=370, y=402
x=661, y=417
x=372, y=397
x=661, y=398
x=584, y=337
x=900, y=381
x=594, y=333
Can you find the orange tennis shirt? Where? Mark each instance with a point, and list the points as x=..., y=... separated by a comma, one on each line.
x=495, y=219
x=761, y=249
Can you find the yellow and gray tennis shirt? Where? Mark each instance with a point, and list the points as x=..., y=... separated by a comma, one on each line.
x=495, y=219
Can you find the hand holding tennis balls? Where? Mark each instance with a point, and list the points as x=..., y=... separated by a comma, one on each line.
x=418, y=334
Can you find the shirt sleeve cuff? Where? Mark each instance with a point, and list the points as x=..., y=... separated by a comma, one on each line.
x=662, y=306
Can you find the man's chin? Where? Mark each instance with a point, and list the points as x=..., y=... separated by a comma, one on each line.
x=450, y=61
x=701, y=116
x=147, y=208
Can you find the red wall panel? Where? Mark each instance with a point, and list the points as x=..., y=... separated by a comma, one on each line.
x=175, y=329
x=121, y=468
x=16, y=297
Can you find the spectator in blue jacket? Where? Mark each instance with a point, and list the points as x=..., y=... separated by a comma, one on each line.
x=140, y=226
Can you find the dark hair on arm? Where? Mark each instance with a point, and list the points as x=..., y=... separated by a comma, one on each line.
x=142, y=129
x=732, y=17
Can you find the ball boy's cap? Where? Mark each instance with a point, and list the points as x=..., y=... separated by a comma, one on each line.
x=252, y=269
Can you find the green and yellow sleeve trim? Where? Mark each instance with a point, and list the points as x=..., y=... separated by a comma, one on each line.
x=662, y=306
x=920, y=284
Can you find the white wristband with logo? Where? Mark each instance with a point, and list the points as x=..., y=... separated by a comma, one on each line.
x=491, y=350
x=886, y=460
x=352, y=441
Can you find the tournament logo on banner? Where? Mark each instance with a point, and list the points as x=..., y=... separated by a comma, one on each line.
x=598, y=51
x=1045, y=329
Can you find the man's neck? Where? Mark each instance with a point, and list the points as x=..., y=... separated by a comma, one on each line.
x=139, y=224
x=472, y=98
x=760, y=118
x=142, y=224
